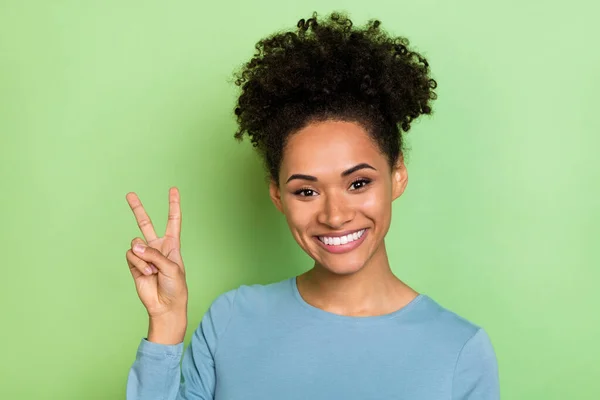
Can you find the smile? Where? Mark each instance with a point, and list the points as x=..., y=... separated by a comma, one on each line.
x=342, y=244
x=339, y=240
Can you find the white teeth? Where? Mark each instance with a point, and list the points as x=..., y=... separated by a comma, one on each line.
x=338, y=240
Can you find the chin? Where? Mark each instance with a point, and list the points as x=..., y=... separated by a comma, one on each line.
x=340, y=267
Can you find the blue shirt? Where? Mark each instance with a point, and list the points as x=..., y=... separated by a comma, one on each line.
x=266, y=342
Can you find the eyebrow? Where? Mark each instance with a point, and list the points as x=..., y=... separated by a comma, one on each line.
x=343, y=174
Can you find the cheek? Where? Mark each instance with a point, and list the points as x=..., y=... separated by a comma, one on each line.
x=376, y=203
x=298, y=215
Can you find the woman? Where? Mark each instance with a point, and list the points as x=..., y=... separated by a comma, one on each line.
x=324, y=106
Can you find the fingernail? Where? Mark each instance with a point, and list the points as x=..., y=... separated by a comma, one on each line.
x=148, y=271
x=138, y=248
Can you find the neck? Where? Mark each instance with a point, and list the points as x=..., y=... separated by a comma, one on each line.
x=373, y=290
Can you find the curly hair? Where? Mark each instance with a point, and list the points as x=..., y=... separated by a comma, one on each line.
x=331, y=71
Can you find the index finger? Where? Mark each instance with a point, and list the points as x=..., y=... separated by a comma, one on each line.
x=142, y=218
x=174, y=221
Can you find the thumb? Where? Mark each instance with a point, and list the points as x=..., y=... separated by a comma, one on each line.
x=154, y=256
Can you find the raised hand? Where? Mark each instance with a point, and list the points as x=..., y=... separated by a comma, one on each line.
x=158, y=271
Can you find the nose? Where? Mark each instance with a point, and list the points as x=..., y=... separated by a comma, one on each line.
x=336, y=212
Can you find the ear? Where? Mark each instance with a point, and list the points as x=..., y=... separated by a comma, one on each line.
x=275, y=194
x=399, y=178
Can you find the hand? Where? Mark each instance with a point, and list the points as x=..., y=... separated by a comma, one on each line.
x=158, y=271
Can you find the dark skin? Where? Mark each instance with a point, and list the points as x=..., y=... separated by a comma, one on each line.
x=333, y=180
x=159, y=273
x=322, y=199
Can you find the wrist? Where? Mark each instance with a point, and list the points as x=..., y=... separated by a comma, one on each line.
x=167, y=329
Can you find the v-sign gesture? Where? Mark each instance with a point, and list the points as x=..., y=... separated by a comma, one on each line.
x=157, y=268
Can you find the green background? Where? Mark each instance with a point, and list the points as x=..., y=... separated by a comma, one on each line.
x=499, y=221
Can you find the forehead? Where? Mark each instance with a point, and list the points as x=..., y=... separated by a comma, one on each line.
x=329, y=146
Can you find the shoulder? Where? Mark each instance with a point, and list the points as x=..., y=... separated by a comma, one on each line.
x=250, y=298
x=443, y=319
x=449, y=329
x=243, y=302
x=475, y=364
x=467, y=345
x=471, y=336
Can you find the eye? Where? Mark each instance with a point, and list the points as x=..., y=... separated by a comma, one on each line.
x=360, y=183
x=305, y=192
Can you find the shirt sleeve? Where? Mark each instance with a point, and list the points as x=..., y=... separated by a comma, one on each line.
x=476, y=372
x=160, y=373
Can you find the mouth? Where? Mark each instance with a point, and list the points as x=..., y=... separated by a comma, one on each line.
x=342, y=244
